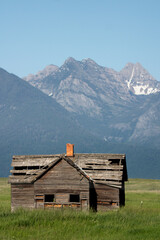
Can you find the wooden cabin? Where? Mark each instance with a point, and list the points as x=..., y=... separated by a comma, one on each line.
x=79, y=181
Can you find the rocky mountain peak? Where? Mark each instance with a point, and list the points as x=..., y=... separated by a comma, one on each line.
x=70, y=60
x=70, y=64
x=132, y=78
x=50, y=69
x=139, y=80
x=135, y=69
x=89, y=61
x=127, y=70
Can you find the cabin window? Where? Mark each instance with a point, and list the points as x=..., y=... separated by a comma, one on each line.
x=49, y=198
x=74, y=198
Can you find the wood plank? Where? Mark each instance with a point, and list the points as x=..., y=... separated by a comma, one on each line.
x=36, y=156
x=105, y=173
x=110, y=183
x=33, y=161
x=60, y=190
x=101, y=167
x=108, y=176
x=99, y=155
x=94, y=162
x=62, y=186
x=28, y=172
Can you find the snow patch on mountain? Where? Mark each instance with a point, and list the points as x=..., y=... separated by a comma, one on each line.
x=130, y=80
x=144, y=90
x=138, y=80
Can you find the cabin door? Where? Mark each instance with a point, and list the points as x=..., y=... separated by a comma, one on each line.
x=39, y=203
x=84, y=201
x=84, y=204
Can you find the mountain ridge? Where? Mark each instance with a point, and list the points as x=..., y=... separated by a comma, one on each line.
x=32, y=123
x=129, y=66
x=88, y=90
x=96, y=114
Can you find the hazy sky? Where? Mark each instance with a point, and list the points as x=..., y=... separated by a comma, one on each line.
x=36, y=33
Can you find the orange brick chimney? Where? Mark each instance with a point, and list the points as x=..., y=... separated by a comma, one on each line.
x=69, y=150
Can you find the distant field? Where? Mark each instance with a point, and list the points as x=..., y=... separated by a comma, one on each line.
x=138, y=220
x=143, y=185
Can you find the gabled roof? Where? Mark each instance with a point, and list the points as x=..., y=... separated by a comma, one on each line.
x=42, y=171
x=108, y=169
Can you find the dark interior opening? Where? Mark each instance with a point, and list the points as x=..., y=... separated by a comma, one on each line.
x=33, y=167
x=49, y=198
x=114, y=161
x=20, y=168
x=93, y=197
x=74, y=198
x=18, y=174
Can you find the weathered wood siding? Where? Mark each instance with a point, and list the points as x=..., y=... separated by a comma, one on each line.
x=35, y=176
x=22, y=195
x=107, y=197
x=62, y=180
x=109, y=169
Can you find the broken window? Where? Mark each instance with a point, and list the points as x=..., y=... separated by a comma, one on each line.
x=49, y=198
x=74, y=198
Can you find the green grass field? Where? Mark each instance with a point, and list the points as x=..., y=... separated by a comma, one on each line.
x=139, y=219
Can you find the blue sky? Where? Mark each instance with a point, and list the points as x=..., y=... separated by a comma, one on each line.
x=36, y=33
